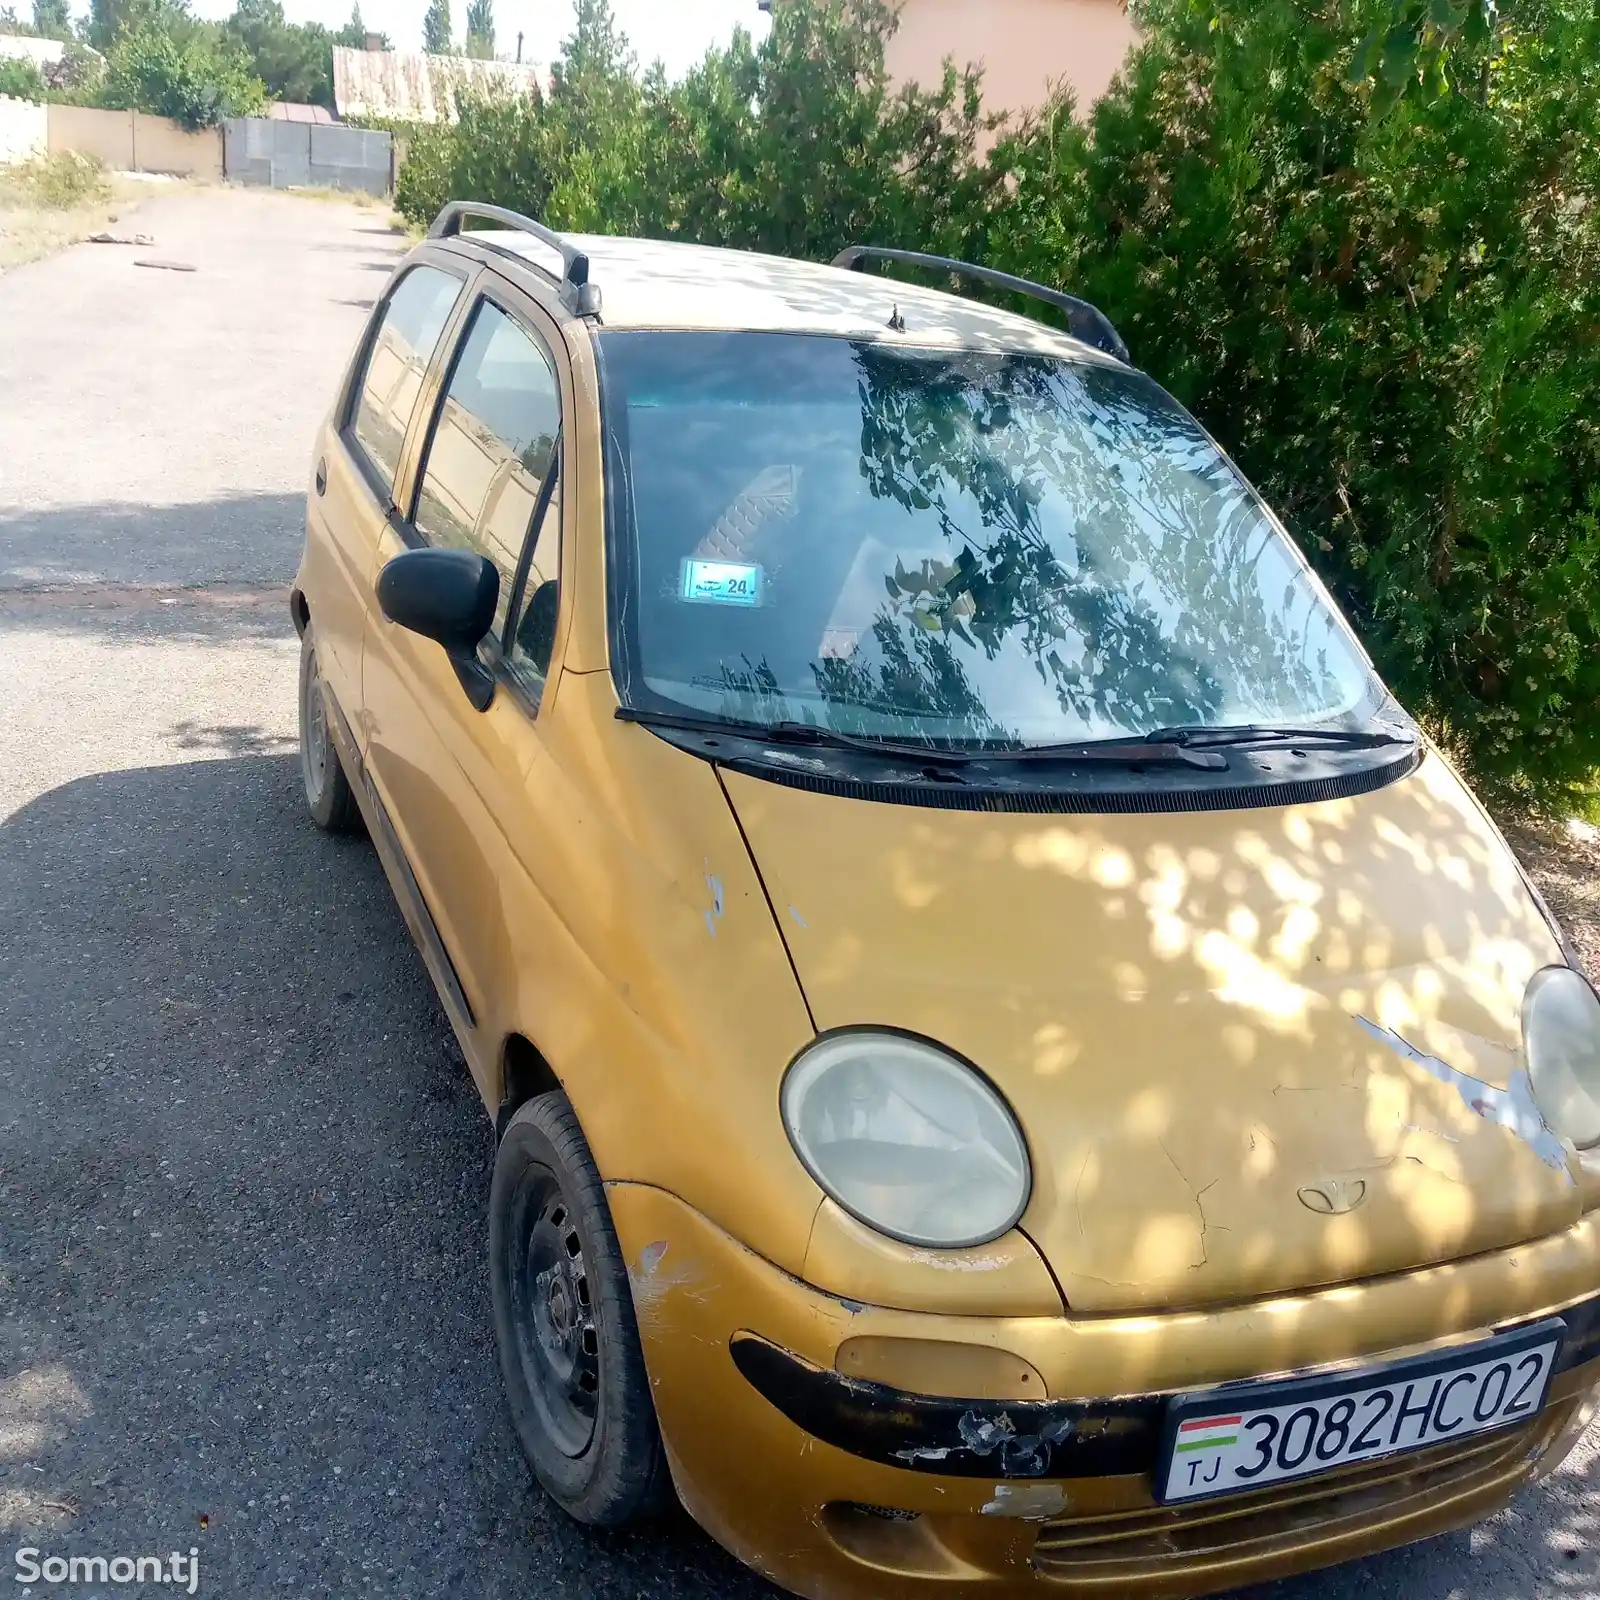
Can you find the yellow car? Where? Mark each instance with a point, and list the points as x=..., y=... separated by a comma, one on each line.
x=1016, y=1067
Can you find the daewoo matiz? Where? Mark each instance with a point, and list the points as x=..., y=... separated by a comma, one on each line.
x=1015, y=1066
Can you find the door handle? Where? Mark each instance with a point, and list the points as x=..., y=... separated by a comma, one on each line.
x=322, y=475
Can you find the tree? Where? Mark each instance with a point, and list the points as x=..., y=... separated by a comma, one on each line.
x=436, y=38
x=480, y=29
x=104, y=24
x=21, y=80
x=109, y=19
x=355, y=33
x=52, y=19
x=294, y=62
x=1418, y=49
x=194, y=75
x=1391, y=321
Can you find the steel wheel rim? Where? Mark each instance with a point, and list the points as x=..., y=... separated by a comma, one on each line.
x=313, y=733
x=553, y=1313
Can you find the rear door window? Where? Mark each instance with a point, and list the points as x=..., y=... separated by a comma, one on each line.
x=491, y=470
x=397, y=361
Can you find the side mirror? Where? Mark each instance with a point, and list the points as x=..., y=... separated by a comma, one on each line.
x=450, y=596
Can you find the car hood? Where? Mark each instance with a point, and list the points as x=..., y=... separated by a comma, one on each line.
x=1251, y=1051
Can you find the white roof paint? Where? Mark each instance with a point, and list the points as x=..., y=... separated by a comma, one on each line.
x=650, y=283
x=41, y=52
x=410, y=86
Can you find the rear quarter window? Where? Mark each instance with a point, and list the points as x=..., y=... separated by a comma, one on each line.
x=397, y=360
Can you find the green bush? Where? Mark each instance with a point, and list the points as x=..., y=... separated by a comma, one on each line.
x=76, y=75
x=1393, y=322
x=21, y=80
x=1387, y=307
x=185, y=74
x=57, y=181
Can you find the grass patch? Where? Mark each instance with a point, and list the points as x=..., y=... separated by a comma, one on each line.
x=54, y=201
x=351, y=197
x=54, y=182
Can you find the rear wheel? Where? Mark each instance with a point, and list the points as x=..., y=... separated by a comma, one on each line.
x=328, y=794
x=564, y=1322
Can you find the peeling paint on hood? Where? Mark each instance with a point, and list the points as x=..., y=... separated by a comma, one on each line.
x=1512, y=1107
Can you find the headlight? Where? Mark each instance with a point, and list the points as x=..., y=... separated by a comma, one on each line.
x=1561, y=1038
x=907, y=1138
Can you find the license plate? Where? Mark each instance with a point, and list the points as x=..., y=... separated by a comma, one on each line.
x=1239, y=1437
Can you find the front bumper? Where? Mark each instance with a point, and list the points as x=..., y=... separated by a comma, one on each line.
x=837, y=1487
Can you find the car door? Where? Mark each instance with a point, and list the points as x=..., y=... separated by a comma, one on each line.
x=452, y=780
x=359, y=460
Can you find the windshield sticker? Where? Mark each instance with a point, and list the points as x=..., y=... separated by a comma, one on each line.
x=723, y=583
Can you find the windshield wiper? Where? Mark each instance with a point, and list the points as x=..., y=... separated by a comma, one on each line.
x=1192, y=735
x=1116, y=752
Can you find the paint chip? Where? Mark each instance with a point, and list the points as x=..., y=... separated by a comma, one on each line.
x=1513, y=1107
x=714, y=914
x=1031, y=1502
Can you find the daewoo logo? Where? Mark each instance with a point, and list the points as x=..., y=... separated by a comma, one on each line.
x=1333, y=1196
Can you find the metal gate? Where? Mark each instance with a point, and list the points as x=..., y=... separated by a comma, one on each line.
x=298, y=155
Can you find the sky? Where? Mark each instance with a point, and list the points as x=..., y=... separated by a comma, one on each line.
x=679, y=32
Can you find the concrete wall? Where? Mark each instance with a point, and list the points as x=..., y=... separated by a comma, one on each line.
x=161, y=145
x=105, y=135
x=131, y=141
x=1026, y=47
x=24, y=130
x=293, y=155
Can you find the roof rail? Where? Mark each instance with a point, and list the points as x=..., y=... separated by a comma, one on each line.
x=1084, y=322
x=577, y=293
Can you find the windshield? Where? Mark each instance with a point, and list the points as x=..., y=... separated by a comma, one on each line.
x=950, y=546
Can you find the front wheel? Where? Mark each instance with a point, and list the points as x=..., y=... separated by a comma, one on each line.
x=328, y=794
x=564, y=1323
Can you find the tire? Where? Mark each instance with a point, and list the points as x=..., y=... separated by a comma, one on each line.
x=570, y=1356
x=328, y=794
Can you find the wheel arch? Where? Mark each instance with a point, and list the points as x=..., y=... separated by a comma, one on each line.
x=524, y=1074
x=299, y=611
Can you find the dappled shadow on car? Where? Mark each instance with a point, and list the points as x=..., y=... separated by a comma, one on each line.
x=244, y=1182
x=1540, y=1548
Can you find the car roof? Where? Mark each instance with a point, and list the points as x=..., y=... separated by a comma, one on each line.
x=661, y=284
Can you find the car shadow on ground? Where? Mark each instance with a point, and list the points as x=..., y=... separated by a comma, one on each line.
x=243, y=1176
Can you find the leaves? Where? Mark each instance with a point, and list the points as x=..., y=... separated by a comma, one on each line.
x=1396, y=330
x=799, y=146
x=189, y=75
x=1361, y=238
x=436, y=28
x=1417, y=48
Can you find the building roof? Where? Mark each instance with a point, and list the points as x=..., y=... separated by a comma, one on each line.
x=650, y=283
x=399, y=86
x=41, y=52
x=296, y=111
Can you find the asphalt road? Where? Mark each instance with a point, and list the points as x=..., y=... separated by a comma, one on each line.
x=243, y=1172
